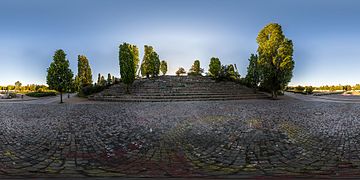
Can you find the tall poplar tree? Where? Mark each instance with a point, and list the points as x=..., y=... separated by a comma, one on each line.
x=84, y=72
x=214, y=67
x=128, y=61
x=163, y=67
x=253, y=72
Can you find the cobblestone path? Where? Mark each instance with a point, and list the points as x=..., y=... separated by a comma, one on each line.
x=183, y=139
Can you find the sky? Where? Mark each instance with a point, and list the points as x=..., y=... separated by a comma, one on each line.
x=325, y=34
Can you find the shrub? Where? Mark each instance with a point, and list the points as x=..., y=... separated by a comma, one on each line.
x=180, y=71
x=90, y=89
x=299, y=89
x=309, y=89
x=41, y=94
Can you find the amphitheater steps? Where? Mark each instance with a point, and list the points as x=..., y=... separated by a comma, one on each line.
x=171, y=88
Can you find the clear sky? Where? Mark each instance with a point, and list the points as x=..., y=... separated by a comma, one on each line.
x=326, y=34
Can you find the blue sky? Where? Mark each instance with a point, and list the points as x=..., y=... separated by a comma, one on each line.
x=325, y=34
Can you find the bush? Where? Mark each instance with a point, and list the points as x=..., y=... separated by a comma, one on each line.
x=91, y=89
x=309, y=89
x=41, y=94
x=299, y=89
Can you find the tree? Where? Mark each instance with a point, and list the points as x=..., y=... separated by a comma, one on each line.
x=146, y=63
x=155, y=64
x=84, y=72
x=109, y=80
x=99, y=79
x=17, y=85
x=151, y=62
x=195, y=69
x=102, y=81
x=228, y=72
x=76, y=84
x=275, y=58
x=253, y=72
x=163, y=67
x=59, y=75
x=180, y=71
x=128, y=60
x=214, y=67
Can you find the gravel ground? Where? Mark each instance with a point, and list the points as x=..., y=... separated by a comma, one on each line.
x=225, y=139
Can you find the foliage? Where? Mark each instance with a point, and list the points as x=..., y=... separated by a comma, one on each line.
x=195, y=69
x=90, y=89
x=275, y=58
x=299, y=89
x=17, y=85
x=109, y=79
x=228, y=72
x=128, y=56
x=309, y=89
x=102, y=81
x=163, y=67
x=84, y=71
x=347, y=88
x=253, y=72
x=155, y=64
x=41, y=94
x=146, y=62
x=180, y=71
x=214, y=67
x=59, y=75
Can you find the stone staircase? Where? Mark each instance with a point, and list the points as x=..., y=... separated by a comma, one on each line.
x=173, y=88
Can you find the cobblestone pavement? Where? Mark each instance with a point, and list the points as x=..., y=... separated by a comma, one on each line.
x=229, y=139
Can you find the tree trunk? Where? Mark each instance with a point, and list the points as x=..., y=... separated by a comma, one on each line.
x=61, y=101
x=273, y=94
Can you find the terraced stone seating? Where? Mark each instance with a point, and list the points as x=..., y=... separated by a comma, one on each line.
x=172, y=88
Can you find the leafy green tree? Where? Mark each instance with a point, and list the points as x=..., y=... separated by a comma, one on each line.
x=109, y=81
x=128, y=56
x=275, y=58
x=253, y=72
x=228, y=72
x=151, y=62
x=76, y=84
x=59, y=75
x=163, y=67
x=309, y=89
x=155, y=64
x=146, y=62
x=180, y=71
x=102, y=81
x=84, y=71
x=214, y=67
x=17, y=85
x=195, y=69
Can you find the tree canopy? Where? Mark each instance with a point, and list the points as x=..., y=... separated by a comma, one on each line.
x=195, y=69
x=275, y=58
x=163, y=67
x=180, y=71
x=214, y=67
x=84, y=72
x=59, y=75
x=128, y=59
x=151, y=62
x=253, y=72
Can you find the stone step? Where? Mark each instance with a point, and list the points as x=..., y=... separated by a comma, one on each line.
x=183, y=97
x=171, y=88
x=172, y=100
